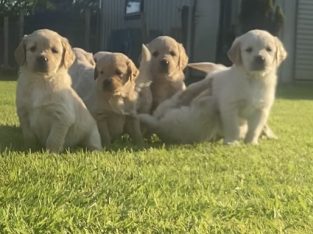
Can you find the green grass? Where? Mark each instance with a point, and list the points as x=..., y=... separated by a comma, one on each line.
x=203, y=188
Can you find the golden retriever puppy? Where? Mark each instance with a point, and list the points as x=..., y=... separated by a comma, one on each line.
x=184, y=121
x=49, y=110
x=168, y=61
x=245, y=92
x=82, y=71
x=209, y=69
x=113, y=99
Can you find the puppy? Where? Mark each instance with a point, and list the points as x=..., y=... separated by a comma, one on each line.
x=82, y=71
x=209, y=69
x=184, y=121
x=49, y=110
x=245, y=92
x=168, y=61
x=113, y=99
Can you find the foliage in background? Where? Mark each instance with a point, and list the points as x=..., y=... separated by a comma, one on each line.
x=261, y=14
x=13, y=7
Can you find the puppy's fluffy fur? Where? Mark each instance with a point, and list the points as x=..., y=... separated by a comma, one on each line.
x=113, y=98
x=168, y=61
x=184, y=123
x=243, y=94
x=48, y=108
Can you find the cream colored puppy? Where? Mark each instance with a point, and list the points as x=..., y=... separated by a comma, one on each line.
x=169, y=59
x=184, y=120
x=49, y=110
x=187, y=117
x=82, y=71
x=245, y=92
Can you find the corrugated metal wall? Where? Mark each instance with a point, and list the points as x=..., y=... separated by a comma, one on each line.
x=304, y=41
x=161, y=15
x=165, y=14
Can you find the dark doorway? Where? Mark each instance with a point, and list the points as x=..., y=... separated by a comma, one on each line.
x=226, y=32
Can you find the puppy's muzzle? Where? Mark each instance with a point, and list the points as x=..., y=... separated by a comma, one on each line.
x=259, y=63
x=107, y=84
x=42, y=63
x=164, y=65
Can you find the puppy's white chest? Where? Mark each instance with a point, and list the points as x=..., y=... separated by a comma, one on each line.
x=255, y=100
x=39, y=97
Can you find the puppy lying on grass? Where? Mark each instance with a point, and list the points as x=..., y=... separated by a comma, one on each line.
x=49, y=110
x=187, y=117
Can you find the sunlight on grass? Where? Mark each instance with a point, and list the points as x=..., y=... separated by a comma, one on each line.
x=203, y=188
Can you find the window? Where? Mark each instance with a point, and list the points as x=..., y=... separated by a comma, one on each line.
x=133, y=9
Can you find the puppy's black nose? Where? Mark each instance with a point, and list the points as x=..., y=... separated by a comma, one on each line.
x=164, y=63
x=42, y=59
x=107, y=84
x=259, y=59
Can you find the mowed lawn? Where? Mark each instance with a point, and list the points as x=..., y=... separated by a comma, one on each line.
x=202, y=188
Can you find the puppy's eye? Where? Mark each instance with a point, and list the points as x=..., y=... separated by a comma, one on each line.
x=101, y=72
x=54, y=50
x=32, y=49
x=155, y=54
x=172, y=53
x=269, y=49
x=249, y=50
x=118, y=72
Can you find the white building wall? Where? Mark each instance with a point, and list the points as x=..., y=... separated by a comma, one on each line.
x=304, y=41
x=288, y=38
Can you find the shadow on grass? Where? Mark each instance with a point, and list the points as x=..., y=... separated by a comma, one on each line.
x=295, y=91
x=8, y=75
x=11, y=139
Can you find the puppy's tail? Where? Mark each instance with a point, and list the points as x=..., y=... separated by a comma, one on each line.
x=150, y=121
x=207, y=67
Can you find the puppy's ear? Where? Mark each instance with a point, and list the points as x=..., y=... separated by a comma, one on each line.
x=234, y=53
x=281, y=53
x=95, y=74
x=132, y=70
x=20, y=52
x=68, y=54
x=183, y=58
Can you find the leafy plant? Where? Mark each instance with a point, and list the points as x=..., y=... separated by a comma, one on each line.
x=261, y=14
